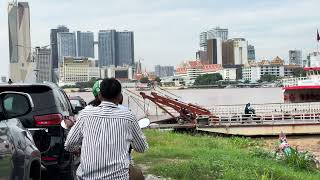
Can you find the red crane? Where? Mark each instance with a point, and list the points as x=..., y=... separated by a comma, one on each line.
x=188, y=113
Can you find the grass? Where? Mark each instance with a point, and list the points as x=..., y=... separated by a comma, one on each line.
x=5, y=164
x=183, y=156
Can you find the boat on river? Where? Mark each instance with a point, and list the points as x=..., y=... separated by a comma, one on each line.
x=303, y=89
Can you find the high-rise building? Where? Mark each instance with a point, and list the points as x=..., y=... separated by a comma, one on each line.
x=228, y=53
x=74, y=70
x=54, y=44
x=122, y=73
x=218, y=32
x=125, y=48
x=295, y=57
x=240, y=51
x=164, y=71
x=116, y=48
x=138, y=68
x=107, y=47
x=214, y=33
x=19, y=41
x=44, y=64
x=313, y=59
x=214, y=51
x=66, y=45
x=235, y=51
x=85, y=44
x=3, y=79
x=202, y=56
x=251, y=53
x=203, y=40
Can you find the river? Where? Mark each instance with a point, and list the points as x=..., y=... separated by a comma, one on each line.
x=210, y=97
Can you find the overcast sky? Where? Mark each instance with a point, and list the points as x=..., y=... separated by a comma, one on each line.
x=167, y=31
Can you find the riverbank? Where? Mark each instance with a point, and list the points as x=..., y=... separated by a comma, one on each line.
x=183, y=156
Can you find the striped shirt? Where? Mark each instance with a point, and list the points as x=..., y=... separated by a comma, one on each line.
x=105, y=133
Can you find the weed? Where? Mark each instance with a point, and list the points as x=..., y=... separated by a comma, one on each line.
x=299, y=160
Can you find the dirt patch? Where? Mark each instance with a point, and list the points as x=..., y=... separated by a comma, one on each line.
x=303, y=143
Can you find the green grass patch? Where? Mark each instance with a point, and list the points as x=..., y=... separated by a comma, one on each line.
x=185, y=156
x=5, y=164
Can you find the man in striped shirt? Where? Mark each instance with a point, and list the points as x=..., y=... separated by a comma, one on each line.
x=105, y=133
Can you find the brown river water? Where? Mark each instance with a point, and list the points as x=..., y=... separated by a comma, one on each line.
x=211, y=97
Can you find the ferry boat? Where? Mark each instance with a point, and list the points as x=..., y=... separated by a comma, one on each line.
x=304, y=89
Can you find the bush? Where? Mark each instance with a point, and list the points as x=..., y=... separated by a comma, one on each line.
x=299, y=160
x=144, y=80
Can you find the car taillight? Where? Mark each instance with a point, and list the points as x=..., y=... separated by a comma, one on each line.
x=48, y=120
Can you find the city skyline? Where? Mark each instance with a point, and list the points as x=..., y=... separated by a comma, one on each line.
x=270, y=26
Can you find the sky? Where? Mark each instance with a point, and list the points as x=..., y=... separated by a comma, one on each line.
x=166, y=32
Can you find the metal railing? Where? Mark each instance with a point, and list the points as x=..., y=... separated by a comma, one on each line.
x=267, y=119
x=293, y=81
x=276, y=108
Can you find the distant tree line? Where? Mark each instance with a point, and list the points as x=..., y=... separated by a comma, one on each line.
x=208, y=79
x=82, y=85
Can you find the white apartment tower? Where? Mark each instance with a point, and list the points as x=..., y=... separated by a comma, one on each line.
x=19, y=41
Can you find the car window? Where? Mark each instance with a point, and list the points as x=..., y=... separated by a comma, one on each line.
x=60, y=101
x=42, y=96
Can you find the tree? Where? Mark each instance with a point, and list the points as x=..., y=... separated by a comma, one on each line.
x=268, y=78
x=298, y=72
x=247, y=81
x=208, y=79
x=91, y=82
x=88, y=84
x=157, y=79
x=144, y=80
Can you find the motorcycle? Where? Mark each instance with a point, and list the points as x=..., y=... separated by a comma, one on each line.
x=134, y=172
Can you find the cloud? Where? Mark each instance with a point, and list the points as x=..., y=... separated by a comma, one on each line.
x=167, y=32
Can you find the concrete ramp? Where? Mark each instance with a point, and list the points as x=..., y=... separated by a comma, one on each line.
x=264, y=130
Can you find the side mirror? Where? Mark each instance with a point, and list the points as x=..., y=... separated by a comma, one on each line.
x=143, y=123
x=15, y=104
x=77, y=109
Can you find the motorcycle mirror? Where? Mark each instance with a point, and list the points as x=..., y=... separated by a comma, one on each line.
x=144, y=122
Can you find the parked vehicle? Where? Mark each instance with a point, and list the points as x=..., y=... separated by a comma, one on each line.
x=51, y=106
x=77, y=102
x=19, y=157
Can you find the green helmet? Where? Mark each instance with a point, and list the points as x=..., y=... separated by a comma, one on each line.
x=96, y=88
